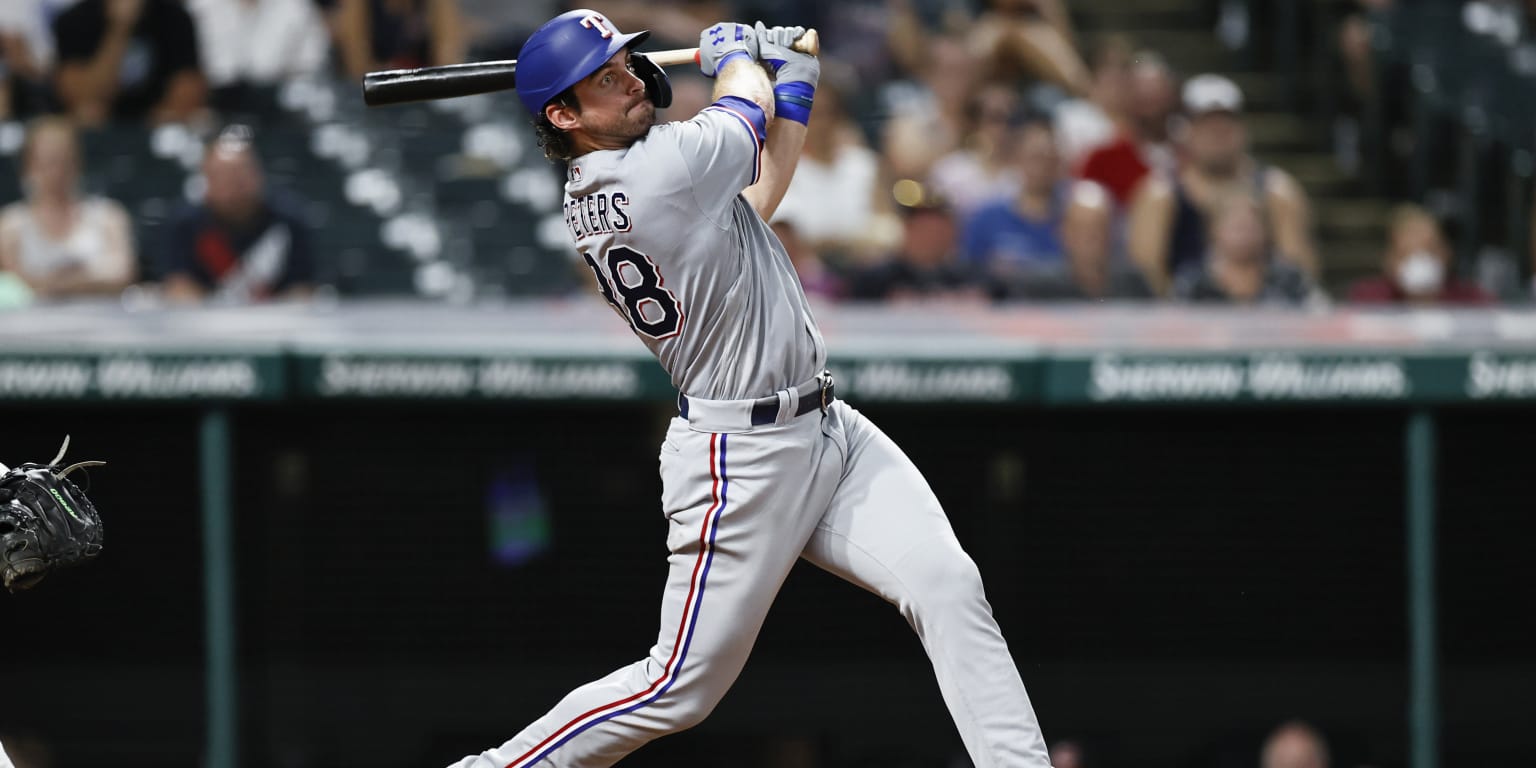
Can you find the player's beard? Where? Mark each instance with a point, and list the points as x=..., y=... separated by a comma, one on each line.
x=630, y=124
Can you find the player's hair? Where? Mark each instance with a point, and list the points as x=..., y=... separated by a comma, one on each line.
x=556, y=143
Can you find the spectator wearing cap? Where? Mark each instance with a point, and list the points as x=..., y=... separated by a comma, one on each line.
x=128, y=60
x=257, y=43
x=241, y=244
x=1238, y=267
x=1033, y=234
x=1416, y=267
x=926, y=265
x=1167, y=220
x=1142, y=145
x=26, y=57
x=57, y=241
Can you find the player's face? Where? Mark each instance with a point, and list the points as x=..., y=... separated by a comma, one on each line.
x=615, y=109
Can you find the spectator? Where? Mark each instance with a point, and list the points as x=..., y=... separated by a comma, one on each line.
x=396, y=34
x=928, y=115
x=241, y=244
x=1416, y=267
x=1294, y=745
x=832, y=199
x=1082, y=125
x=257, y=43
x=1092, y=273
x=1141, y=144
x=926, y=264
x=128, y=60
x=816, y=278
x=981, y=171
x=1240, y=267
x=1167, y=224
x=1030, y=40
x=1030, y=236
x=1355, y=45
x=26, y=57
x=57, y=241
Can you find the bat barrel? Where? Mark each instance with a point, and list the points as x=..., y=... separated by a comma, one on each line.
x=399, y=86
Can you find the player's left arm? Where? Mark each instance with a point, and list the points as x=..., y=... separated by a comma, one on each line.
x=795, y=76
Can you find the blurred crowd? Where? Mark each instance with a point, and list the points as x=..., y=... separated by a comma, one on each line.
x=961, y=151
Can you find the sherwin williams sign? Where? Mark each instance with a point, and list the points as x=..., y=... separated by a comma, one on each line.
x=120, y=376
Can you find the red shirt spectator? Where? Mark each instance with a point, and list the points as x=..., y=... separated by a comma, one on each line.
x=1116, y=166
x=1142, y=144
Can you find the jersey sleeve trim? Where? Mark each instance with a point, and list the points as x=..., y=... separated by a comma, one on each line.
x=755, y=121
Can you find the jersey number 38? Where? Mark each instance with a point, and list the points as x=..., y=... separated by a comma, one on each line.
x=629, y=281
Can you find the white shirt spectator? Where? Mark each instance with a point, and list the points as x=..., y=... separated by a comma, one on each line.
x=98, y=245
x=259, y=41
x=833, y=202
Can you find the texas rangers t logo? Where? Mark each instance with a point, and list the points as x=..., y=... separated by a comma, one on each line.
x=597, y=22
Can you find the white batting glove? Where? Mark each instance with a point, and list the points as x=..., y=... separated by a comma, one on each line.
x=723, y=41
x=775, y=48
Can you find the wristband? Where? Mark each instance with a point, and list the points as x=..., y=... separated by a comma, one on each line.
x=793, y=100
x=729, y=57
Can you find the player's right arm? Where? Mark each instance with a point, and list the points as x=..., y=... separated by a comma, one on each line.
x=744, y=79
x=721, y=148
x=795, y=76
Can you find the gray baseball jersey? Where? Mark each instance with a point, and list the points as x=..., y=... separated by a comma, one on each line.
x=687, y=262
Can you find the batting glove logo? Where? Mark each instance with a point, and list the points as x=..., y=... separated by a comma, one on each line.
x=717, y=35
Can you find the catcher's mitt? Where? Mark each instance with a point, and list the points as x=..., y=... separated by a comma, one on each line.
x=46, y=522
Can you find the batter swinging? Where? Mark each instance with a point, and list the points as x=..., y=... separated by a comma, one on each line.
x=762, y=466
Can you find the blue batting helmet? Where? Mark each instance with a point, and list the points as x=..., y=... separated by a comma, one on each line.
x=563, y=51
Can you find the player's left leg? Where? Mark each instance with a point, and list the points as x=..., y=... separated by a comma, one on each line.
x=886, y=532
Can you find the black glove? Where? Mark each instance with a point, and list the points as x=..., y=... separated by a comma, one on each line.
x=46, y=522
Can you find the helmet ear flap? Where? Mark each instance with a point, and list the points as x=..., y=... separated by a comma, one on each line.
x=657, y=86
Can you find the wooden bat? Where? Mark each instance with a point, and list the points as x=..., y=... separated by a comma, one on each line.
x=399, y=86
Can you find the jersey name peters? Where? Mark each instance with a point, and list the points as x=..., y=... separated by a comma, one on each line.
x=600, y=213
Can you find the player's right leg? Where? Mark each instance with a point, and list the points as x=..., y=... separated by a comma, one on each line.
x=740, y=508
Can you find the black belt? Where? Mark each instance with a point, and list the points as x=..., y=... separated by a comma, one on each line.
x=814, y=394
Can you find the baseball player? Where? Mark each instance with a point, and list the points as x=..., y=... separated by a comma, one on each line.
x=763, y=465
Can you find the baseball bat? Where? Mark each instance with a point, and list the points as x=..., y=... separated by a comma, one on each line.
x=399, y=86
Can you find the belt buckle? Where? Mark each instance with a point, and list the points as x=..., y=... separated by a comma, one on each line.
x=826, y=388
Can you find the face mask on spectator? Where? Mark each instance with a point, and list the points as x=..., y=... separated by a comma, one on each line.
x=1420, y=274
